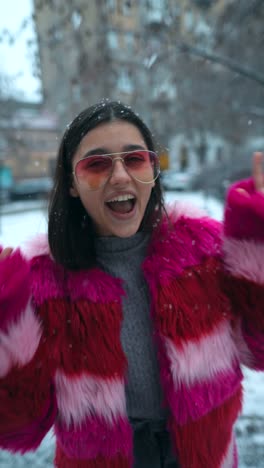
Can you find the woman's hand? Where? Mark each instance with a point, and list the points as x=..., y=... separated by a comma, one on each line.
x=257, y=171
x=6, y=253
x=257, y=174
x=244, y=209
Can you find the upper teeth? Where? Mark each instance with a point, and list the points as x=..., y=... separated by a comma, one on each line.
x=121, y=198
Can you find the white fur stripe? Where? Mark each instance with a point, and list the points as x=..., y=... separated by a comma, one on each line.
x=38, y=245
x=245, y=258
x=201, y=359
x=229, y=458
x=186, y=209
x=21, y=340
x=79, y=397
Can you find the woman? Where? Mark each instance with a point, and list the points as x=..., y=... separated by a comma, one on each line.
x=126, y=329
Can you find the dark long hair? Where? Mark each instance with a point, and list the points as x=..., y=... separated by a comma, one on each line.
x=71, y=231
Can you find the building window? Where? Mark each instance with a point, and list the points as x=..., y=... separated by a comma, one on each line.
x=126, y=7
x=184, y=159
x=219, y=154
x=129, y=40
x=76, y=19
x=202, y=151
x=155, y=4
x=76, y=92
x=203, y=3
x=111, y=4
x=53, y=4
x=188, y=20
x=112, y=40
x=124, y=82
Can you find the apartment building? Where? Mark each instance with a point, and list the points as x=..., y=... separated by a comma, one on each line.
x=132, y=51
x=29, y=139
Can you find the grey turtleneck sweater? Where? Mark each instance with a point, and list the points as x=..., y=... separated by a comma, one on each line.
x=122, y=258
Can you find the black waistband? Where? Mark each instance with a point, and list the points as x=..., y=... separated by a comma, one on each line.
x=148, y=424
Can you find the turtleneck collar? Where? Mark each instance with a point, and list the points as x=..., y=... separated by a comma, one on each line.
x=104, y=245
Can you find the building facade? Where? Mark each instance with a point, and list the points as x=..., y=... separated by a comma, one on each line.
x=136, y=52
x=28, y=140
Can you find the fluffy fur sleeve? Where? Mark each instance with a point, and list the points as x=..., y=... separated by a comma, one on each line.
x=243, y=245
x=27, y=400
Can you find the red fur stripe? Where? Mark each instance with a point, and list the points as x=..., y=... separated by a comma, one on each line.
x=192, y=305
x=15, y=288
x=48, y=280
x=24, y=392
x=62, y=461
x=70, y=327
x=247, y=298
x=51, y=281
x=176, y=248
x=203, y=443
x=27, y=437
x=254, y=341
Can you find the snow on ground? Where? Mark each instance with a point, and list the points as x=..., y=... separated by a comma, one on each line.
x=16, y=228
x=211, y=206
x=19, y=224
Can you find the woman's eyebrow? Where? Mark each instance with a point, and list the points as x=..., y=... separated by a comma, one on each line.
x=133, y=147
x=95, y=151
x=102, y=150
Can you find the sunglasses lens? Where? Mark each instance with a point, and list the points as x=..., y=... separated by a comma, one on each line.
x=93, y=171
x=142, y=165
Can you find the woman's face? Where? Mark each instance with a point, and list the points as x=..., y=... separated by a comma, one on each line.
x=118, y=207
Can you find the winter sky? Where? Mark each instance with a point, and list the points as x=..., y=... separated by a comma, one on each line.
x=15, y=60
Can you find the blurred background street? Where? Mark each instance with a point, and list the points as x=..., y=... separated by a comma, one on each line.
x=192, y=69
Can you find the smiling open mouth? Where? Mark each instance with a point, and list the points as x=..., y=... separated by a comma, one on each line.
x=122, y=204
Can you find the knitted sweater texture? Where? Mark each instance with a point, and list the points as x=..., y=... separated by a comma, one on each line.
x=61, y=358
x=123, y=258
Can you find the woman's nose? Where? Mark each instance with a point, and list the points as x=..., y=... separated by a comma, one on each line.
x=119, y=173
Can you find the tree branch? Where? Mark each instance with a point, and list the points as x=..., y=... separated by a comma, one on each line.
x=225, y=61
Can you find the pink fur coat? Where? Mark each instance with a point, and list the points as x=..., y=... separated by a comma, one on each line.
x=61, y=359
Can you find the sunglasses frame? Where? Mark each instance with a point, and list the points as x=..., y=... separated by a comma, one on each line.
x=119, y=158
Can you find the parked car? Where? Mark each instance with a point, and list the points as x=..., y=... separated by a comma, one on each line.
x=176, y=180
x=31, y=189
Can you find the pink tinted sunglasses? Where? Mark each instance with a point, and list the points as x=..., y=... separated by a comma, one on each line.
x=95, y=170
